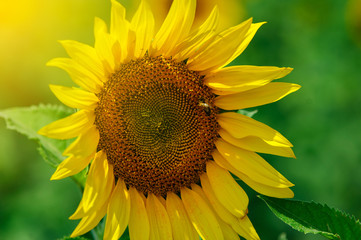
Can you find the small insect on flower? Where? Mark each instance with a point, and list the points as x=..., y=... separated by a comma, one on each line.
x=161, y=134
x=206, y=106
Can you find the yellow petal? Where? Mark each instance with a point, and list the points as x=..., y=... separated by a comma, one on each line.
x=71, y=166
x=242, y=78
x=240, y=126
x=98, y=187
x=246, y=229
x=79, y=212
x=89, y=222
x=231, y=225
x=250, y=34
x=265, y=189
x=75, y=97
x=219, y=92
x=143, y=25
x=118, y=212
x=175, y=27
x=85, y=144
x=69, y=127
x=119, y=29
x=256, y=144
x=104, y=46
x=220, y=48
x=227, y=191
x=252, y=164
x=202, y=217
x=130, y=47
x=199, y=190
x=269, y=93
x=80, y=75
x=99, y=183
x=138, y=220
x=117, y=18
x=162, y=200
x=221, y=211
x=259, y=187
x=197, y=38
x=181, y=225
x=227, y=231
x=160, y=227
x=85, y=55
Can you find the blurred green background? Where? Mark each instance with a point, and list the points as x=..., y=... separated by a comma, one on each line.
x=320, y=39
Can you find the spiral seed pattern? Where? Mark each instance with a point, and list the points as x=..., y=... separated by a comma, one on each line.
x=157, y=124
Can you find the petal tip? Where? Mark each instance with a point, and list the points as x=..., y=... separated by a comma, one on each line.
x=292, y=154
x=53, y=177
x=51, y=63
x=44, y=132
x=73, y=216
x=63, y=42
x=75, y=233
x=57, y=175
x=41, y=132
x=249, y=19
x=296, y=87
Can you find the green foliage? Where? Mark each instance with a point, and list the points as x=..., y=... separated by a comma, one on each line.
x=28, y=121
x=76, y=238
x=282, y=236
x=311, y=217
x=125, y=235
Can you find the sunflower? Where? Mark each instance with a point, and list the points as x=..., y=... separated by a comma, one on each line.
x=232, y=10
x=156, y=122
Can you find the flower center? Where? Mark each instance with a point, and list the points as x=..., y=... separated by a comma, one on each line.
x=157, y=124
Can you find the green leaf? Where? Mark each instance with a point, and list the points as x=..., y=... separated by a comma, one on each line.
x=311, y=217
x=28, y=121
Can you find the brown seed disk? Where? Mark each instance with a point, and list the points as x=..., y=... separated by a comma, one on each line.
x=157, y=124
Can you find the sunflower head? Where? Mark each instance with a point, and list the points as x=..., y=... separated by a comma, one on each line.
x=156, y=122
